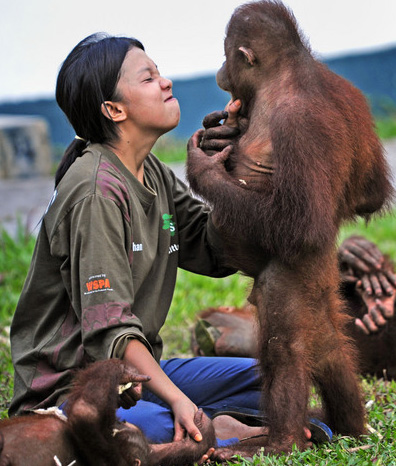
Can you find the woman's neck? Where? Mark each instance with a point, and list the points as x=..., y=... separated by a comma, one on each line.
x=132, y=151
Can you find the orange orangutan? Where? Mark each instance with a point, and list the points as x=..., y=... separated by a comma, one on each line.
x=306, y=160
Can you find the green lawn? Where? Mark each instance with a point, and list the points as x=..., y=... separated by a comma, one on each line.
x=194, y=293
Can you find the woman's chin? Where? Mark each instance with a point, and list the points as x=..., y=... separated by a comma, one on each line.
x=172, y=125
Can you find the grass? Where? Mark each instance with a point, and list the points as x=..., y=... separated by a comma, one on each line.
x=386, y=123
x=380, y=230
x=170, y=150
x=193, y=293
x=15, y=256
x=386, y=128
x=6, y=373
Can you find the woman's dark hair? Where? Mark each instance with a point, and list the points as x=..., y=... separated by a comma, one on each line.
x=88, y=77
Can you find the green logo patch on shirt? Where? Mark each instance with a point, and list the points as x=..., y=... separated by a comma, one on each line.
x=168, y=224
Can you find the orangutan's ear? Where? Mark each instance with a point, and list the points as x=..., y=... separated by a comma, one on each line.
x=249, y=55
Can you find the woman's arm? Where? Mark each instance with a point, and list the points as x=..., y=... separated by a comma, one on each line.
x=182, y=407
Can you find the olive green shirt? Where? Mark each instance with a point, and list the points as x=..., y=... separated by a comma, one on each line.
x=104, y=270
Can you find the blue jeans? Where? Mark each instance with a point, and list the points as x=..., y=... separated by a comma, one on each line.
x=212, y=383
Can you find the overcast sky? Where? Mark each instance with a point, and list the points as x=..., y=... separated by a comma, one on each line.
x=183, y=37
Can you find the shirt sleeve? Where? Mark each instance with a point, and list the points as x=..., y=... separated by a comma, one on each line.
x=98, y=268
x=201, y=247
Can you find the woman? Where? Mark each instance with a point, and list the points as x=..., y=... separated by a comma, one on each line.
x=116, y=230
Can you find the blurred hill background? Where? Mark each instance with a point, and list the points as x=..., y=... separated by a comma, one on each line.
x=374, y=73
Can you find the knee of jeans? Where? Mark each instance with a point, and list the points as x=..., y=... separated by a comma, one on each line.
x=156, y=422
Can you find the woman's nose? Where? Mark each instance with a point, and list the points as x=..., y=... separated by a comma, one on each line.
x=166, y=83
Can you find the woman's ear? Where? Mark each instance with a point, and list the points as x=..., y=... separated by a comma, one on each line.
x=113, y=111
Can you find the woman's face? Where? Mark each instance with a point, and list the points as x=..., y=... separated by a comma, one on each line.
x=146, y=96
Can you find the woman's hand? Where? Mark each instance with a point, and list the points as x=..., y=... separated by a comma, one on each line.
x=184, y=412
x=232, y=109
x=137, y=355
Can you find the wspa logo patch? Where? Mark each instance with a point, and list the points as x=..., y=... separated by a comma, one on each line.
x=97, y=284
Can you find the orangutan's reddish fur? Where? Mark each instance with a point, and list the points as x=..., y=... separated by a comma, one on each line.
x=307, y=160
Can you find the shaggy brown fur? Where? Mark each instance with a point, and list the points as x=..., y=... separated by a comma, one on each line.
x=307, y=160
